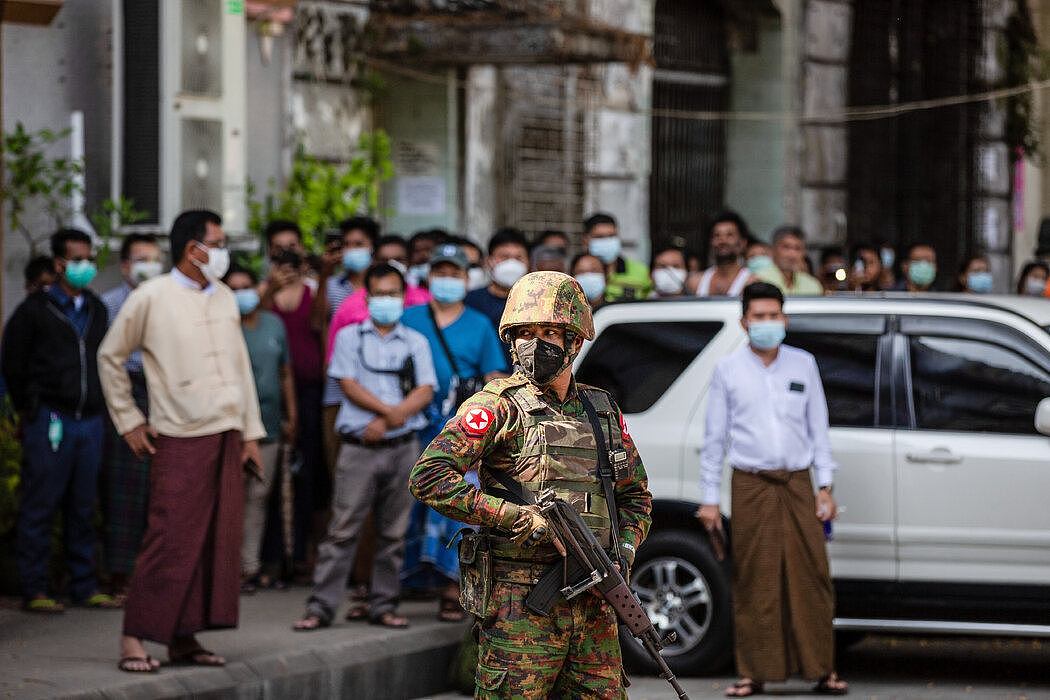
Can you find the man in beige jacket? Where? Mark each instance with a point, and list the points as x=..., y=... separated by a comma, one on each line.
x=202, y=432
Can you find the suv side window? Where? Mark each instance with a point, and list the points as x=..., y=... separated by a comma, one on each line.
x=968, y=384
x=638, y=362
x=846, y=350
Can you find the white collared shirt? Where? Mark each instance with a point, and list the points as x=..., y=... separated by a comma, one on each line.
x=765, y=418
x=188, y=283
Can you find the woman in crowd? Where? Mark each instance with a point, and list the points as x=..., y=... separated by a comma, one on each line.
x=1033, y=279
x=975, y=276
x=669, y=272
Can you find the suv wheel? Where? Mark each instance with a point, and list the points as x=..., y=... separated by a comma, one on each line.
x=685, y=590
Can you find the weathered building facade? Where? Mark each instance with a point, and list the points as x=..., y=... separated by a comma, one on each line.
x=535, y=112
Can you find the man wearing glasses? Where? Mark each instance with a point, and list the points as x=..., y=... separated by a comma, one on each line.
x=202, y=435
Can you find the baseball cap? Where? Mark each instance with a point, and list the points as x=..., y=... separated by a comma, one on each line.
x=450, y=253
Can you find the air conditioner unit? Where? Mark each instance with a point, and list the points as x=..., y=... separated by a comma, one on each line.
x=183, y=129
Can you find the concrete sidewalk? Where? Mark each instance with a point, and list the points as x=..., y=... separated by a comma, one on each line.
x=75, y=654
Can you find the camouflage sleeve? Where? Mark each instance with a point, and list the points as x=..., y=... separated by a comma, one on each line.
x=633, y=500
x=437, y=480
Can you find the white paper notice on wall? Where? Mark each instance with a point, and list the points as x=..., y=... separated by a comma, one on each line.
x=421, y=196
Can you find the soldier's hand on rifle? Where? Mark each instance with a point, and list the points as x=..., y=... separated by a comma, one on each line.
x=530, y=527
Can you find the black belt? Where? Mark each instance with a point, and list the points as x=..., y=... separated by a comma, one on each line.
x=392, y=442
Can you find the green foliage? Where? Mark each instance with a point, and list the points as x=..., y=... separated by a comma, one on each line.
x=320, y=194
x=10, y=467
x=1025, y=62
x=109, y=218
x=32, y=177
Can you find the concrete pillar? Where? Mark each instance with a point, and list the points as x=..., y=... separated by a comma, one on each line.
x=480, y=157
x=827, y=29
x=617, y=161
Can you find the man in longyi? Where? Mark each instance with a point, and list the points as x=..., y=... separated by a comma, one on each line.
x=203, y=429
x=767, y=415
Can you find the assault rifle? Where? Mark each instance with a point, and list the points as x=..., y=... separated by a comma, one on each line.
x=586, y=566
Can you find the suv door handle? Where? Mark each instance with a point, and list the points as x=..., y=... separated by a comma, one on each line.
x=940, y=455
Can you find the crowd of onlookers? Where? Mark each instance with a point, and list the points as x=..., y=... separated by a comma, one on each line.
x=360, y=352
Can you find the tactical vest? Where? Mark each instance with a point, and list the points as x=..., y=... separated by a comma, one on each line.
x=560, y=452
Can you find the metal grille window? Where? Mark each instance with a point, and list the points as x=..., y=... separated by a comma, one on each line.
x=543, y=137
x=911, y=177
x=689, y=156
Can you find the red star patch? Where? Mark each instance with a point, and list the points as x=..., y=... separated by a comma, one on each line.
x=624, y=433
x=476, y=421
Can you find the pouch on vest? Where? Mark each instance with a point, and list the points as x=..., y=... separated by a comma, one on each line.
x=475, y=572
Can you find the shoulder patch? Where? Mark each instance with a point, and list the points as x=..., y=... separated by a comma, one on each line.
x=476, y=420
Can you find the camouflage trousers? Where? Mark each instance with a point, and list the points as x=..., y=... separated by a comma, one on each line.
x=573, y=653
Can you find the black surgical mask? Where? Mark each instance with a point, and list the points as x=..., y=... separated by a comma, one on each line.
x=541, y=361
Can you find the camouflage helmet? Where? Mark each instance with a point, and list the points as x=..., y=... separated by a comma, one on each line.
x=549, y=298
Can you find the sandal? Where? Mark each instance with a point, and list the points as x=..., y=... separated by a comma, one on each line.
x=101, y=601
x=197, y=657
x=357, y=612
x=311, y=623
x=125, y=664
x=449, y=610
x=390, y=619
x=744, y=689
x=831, y=684
x=43, y=604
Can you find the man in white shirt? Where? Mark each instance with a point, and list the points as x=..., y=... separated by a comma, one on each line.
x=768, y=418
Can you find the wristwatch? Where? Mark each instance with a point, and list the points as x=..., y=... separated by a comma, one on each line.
x=829, y=488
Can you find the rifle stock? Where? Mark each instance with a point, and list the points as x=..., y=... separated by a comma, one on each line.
x=587, y=557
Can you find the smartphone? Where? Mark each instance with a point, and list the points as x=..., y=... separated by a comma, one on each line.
x=253, y=469
x=333, y=237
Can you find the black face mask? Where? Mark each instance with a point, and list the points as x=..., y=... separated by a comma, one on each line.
x=541, y=361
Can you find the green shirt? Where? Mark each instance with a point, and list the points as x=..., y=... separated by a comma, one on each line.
x=629, y=281
x=268, y=351
x=806, y=285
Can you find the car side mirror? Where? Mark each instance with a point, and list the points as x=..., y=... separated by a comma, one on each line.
x=1042, y=417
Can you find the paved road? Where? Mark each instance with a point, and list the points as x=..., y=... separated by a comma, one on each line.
x=882, y=667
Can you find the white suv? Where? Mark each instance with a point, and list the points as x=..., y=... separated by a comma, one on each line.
x=944, y=475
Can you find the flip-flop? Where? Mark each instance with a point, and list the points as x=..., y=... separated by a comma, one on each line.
x=391, y=620
x=48, y=606
x=321, y=624
x=193, y=658
x=101, y=601
x=824, y=687
x=751, y=687
x=125, y=664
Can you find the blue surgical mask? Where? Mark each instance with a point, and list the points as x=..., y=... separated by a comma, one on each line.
x=357, y=259
x=922, y=273
x=448, y=290
x=247, y=300
x=888, y=257
x=385, y=311
x=605, y=249
x=759, y=263
x=979, y=282
x=593, y=284
x=79, y=273
x=766, y=335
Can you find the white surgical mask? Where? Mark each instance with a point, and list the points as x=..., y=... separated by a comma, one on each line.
x=669, y=280
x=605, y=249
x=217, y=265
x=142, y=270
x=593, y=284
x=477, y=278
x=1034, y=287
x=507, y=272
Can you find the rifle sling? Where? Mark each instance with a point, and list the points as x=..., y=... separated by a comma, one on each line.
x=605, y=474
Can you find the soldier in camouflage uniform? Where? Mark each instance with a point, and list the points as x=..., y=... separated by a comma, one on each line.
x=533, y=427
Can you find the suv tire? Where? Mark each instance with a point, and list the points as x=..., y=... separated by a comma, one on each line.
x=676, y=567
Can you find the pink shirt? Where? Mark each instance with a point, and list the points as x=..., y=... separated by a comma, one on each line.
x=354, y=309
